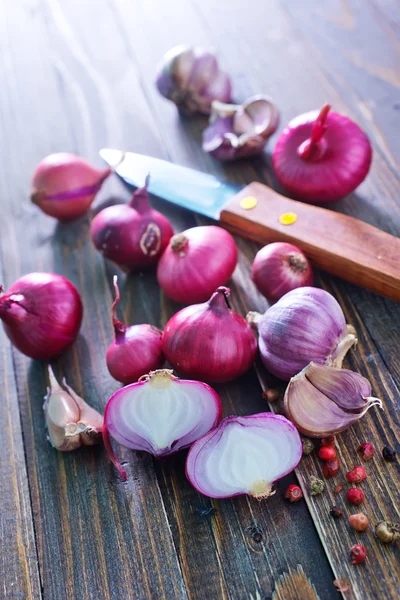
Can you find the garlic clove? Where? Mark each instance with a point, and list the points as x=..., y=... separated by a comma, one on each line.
x=70, y=422
x=345, y=388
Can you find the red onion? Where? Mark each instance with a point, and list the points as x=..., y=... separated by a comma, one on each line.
x=279, y=268
x=135, y=351
x=244, y=455
x=209, y=341
x=238, y=131
x=196, y=262
x=191, y=78
x=321, y=157
x=64, y=185
x=41, y=314
x=160, y=414
x=323, y=401
x=132, y=235
x=307, y=324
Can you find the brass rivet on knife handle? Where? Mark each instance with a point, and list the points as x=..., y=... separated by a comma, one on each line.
x=336, y=243
x=288, y=218
x=248, y=202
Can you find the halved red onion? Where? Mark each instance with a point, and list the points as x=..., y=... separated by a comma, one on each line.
x=244, y=455
x=159, y=414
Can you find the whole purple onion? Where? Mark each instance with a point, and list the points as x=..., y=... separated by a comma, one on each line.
x=191, y=78
x=306, y=324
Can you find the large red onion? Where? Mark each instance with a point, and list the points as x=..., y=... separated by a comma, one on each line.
x=196, y=262
x=160, y=414
x=135, y=351
x=64, y=185
x=41, y=314
x=244, y=455
x=132, y=235
x=209, y=341
x=321, y=156
x=279, y=268
x=307, y=324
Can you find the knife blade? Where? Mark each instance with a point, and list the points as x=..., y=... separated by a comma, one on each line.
x=337, y=243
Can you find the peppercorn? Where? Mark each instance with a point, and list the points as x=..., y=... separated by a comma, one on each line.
x=356, y=475
x=389, y=453
x=357, y=554
x=328, y=441
x=327, y=453
x=331, y=467
x=366, y=451
x=387, y=532
x=293, y=493
x=308, y=445
x=358, y=522
x=337, y=489
x=317, y=486
x=271, y=395
x=336, y=512
x=355, y=496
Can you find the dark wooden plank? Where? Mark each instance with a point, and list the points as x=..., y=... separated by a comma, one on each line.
x=96, y=537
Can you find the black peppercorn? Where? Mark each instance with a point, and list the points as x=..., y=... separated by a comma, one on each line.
x=389, y=453
x=336, y=512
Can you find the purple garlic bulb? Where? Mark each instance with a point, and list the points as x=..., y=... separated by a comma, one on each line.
x=192, y=79
x=240, y=130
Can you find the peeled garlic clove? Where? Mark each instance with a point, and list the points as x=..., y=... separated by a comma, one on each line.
x=70, y=422
x=191, y=78
x=237, y=131
x=331, y=406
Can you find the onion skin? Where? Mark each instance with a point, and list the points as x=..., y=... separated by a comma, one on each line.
x=203, y=460
x=196, y=262
x=306, y=324
x=335, y=164
x=279, y=268
x=132, y=235
x=64, y=185
x=209, y=341
x=41, y=314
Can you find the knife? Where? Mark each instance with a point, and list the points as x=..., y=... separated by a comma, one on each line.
x=339, y=244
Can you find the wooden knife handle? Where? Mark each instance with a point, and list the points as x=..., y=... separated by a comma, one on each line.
x=336, y=243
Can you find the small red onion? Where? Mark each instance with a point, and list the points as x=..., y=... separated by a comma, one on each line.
x=196, y=262
x=323, y=401
x=321, y=156
x=41, y=314
x=133, y=235
x=135, y=351
x=64, y=185
x=244, y=455
x=209, y=341
x=279, y=268
x=238, y=131
x=191, y=78
x=160, y=414
x=306, y=324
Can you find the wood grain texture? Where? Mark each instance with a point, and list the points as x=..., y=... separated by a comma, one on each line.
x=336, y=243
x=88, y=84
x=294, y=585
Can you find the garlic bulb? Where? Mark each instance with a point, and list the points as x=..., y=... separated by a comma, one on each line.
x=191, y=78
x=70, y=422
x=236, y=131
x=323, y=401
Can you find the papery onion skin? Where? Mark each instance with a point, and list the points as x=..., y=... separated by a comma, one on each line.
x=64, y=185
x=209, y=341
x=41, y=314
x=333, y=167
x=279, y=268
x=240, y=131
x=132, y=235
x=191, y=78
x=136, y=349
x=160, y=407
x=198, y=469
x=306, y=324
x=323, y=401
x=196, y=262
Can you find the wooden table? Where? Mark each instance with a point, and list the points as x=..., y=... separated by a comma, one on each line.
x=76, y=76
